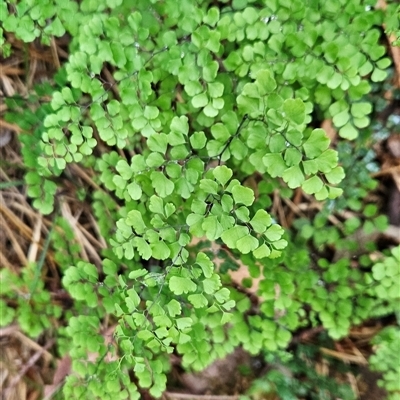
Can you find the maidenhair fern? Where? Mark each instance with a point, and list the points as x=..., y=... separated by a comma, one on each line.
x=193, y=113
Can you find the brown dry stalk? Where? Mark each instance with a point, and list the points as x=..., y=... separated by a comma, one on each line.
x=34, y=246
x=395, y=50
x=15, y=243
x=344, y=356
x=54, y=53
x=23, y=229
x=8, y=125
x=29, y=364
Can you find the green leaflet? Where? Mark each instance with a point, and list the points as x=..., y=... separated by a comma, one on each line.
x=232, y=235
x=212, y=227
x=243, y=195
x=261, y=221
x=161, y=184
x=275, y=164
x=312, y=185
x=316, y=143
x=246, y=244
x=179, y=285
x=135, y=220
x=294, y=110
x=222, y=174
x=293, y=176
x=158, y=142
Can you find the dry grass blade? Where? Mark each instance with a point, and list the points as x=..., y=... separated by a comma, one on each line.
x=353, y=384
x=90, y=237
x=28, y=365
x=277, y=209
x=32, y=72
x=34, y=246
x=387, y=171
x=96, y=228
x=29, y=343
x=18, y=224
x=7, y=85
x=344, y=356
x=8, y=330
x=29, y=213
x=395, y=50
x=293, y=206
x=5, y=263
x=54, y=53
x=322, y=367
x=15, y=243
x=18, y=366
x=365, y=333
x=86, y=246
x=84, y=176
x=355, y=350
